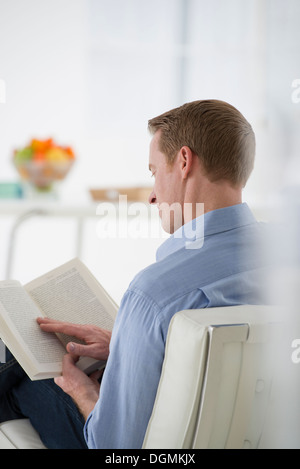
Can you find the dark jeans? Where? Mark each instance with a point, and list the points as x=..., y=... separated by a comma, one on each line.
x=52, y=412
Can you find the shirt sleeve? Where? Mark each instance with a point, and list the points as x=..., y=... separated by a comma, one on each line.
x=130, y=381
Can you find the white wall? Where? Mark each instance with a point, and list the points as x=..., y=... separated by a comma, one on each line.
x=91, y=73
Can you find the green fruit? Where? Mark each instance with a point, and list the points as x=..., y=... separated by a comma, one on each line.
x=23, y=155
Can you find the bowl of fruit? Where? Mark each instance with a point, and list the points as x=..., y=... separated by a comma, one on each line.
x=43, y=162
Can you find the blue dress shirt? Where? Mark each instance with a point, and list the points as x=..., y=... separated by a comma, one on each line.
x=212, y=261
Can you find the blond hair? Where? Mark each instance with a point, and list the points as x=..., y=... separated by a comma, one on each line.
x=215, y=131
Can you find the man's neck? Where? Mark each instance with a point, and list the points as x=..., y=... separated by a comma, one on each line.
x=211, y=196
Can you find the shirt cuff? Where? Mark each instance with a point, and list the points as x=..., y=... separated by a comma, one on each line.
x=85, y=429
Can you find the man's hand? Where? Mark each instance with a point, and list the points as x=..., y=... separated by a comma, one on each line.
x=83, y=389
x=96, y=339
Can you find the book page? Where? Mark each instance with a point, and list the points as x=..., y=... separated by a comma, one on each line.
x=70, y=293
x=18, y=326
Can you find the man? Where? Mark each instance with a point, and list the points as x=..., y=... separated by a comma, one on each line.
x=201, y=153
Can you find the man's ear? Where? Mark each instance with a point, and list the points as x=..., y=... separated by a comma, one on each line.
x=186, y=161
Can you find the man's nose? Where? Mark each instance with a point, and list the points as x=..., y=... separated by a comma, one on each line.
x=152, y=198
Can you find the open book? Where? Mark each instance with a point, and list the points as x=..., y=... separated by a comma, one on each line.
x=68, y=293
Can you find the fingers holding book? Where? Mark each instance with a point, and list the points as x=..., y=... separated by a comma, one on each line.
x=95, y=339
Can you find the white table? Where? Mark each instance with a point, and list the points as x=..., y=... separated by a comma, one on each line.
x=26, y=209
x=23, y=210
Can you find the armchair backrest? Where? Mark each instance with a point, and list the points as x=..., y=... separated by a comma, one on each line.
x=216, y=379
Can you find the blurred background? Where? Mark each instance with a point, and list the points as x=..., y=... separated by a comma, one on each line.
x=90, y=73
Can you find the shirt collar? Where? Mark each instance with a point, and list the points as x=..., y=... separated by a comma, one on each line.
x=192, y=234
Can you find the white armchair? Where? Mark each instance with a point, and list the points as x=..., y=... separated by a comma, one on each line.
x=214, y=387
